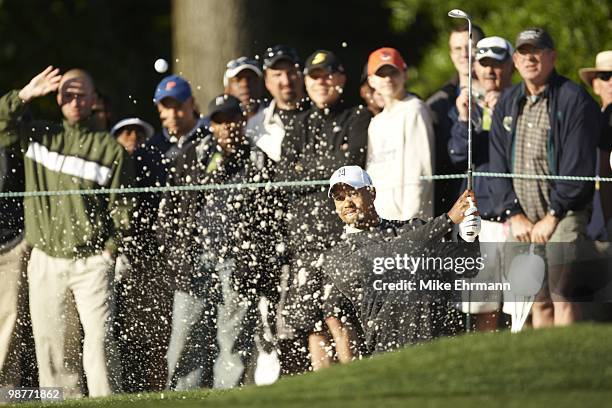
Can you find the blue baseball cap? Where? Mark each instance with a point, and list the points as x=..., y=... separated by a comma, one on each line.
x=172, y=86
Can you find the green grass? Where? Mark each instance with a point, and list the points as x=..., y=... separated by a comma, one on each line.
x=556, y=367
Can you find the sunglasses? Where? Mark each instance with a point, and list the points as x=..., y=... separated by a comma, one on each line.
x=235, y=63
x=604, y=76
x=494, y=50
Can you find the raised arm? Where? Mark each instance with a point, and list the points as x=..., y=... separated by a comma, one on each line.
x=13, y=104
x=42, y=84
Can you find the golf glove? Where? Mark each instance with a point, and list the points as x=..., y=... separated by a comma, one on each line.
x=469, y=228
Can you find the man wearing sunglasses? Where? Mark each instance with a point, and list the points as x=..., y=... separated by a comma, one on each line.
x=392, y=318
x=599, y=78
x=494, y=68
x=75, y=238
x=545, y=125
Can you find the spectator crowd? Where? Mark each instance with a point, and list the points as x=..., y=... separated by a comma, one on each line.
x=224, y=286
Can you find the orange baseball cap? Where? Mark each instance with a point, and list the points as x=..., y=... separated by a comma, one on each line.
x=385, y=56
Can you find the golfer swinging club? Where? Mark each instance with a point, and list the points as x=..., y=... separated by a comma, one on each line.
x=391, y=319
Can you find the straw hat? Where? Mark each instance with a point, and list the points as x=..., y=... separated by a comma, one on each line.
x=603, y=63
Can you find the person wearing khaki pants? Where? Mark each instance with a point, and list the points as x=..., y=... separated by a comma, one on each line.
x=75, y=236
x=13, y=312
x=89, y=279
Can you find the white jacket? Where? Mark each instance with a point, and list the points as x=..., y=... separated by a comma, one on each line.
x=400, y=150
x=266, y=131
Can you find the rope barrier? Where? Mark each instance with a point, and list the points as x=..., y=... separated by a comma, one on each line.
x=280, y=184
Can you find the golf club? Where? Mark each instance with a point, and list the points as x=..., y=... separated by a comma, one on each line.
x=456, y=13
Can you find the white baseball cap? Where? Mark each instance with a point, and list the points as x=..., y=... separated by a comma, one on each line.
x=234, y=67
x=493, y=47
x=148, y=129
x=354, y=176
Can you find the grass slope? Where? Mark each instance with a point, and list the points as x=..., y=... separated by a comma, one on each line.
x=560, y=367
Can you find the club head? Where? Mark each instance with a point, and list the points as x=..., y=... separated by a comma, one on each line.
x=456, y=13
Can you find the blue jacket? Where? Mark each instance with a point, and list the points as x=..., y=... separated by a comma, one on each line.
x=574, y=133
x=457, y=151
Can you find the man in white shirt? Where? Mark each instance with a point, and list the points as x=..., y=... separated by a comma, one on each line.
x=265, y=132
x=400, y=142
x=284, y=81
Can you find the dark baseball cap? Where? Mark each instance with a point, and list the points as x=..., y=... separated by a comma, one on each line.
x=280, y=53
x=224, y=104
x=538, y=37
x=323, y=59
x=172, y=86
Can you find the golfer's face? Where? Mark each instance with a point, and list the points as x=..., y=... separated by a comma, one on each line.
x=351, y=204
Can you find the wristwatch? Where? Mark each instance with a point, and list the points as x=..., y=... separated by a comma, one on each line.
x=554, y=213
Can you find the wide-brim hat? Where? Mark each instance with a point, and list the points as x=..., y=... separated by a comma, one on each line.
x=603, y=63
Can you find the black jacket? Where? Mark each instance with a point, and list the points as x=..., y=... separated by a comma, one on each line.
x=392, y=319
x=12, y=178
x=176, y=225
x=322, y=141
x=605, y=141
x=441, y=103
x=575, y=131
x=170, y=151
x=142, y=248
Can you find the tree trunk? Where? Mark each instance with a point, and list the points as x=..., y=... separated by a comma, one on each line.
x=206, y=35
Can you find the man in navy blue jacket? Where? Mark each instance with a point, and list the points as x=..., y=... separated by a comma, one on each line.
x=545, y=125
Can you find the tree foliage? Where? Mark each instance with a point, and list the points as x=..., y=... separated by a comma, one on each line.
x=117, y=41
x=580, y=30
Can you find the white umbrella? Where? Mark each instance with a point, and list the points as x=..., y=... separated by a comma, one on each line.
x=526, y=276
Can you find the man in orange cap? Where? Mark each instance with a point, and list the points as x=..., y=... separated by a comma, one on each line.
x=399, y=138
